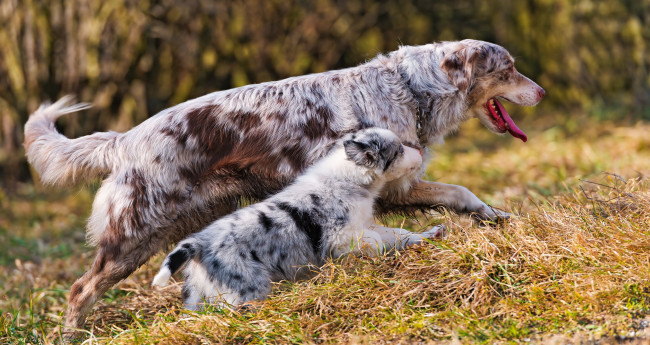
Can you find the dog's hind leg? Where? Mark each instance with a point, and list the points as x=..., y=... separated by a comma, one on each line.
x=120, y=253
x=111, y=265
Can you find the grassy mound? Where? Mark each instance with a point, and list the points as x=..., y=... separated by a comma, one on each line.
x=573, y=265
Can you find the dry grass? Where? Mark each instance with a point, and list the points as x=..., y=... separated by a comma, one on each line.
x=572, y=266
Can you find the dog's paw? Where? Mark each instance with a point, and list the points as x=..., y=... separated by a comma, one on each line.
x=491, y=215
x=436, y=233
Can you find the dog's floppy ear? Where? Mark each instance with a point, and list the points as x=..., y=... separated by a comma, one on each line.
x=459, y=66
x=360, y=153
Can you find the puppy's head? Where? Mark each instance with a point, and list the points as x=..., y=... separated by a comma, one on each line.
x=486, y=73
x=381, y=152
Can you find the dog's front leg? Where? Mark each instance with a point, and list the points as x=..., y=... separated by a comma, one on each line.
x=428, y=194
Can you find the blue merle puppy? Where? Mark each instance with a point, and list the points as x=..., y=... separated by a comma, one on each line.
x=326, y=212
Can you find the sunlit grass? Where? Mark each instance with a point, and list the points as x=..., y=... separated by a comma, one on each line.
x=573, y=263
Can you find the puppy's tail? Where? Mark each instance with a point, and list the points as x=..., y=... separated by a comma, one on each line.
x=184, y=251
x=59, y=160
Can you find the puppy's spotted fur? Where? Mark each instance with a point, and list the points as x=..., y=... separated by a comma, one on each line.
x=190, y=164
x=235, y=259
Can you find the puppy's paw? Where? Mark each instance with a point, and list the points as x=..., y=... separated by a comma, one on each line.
x=436, y=233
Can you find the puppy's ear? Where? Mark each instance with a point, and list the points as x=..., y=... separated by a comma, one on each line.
x=360, y=153
x=459, y=66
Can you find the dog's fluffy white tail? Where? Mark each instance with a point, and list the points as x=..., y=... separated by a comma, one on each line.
x=184, y=252
x=162, y=278
x=60, y=160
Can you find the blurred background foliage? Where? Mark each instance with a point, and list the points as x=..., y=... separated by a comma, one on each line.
x=134, y=58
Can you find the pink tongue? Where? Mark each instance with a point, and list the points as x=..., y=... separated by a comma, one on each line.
x=512, y=128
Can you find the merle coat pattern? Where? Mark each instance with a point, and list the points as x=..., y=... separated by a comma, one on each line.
x=189, y=165
x=235, y=259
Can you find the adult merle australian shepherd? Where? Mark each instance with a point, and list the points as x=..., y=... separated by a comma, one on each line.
x=189, y=165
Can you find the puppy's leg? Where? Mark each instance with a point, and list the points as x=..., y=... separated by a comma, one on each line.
x=378, y=239
x=241, y=282
x=363, y=241
x=225, y=282
x=393, y=238
x=194, y=287
x=426, y=194
x=192, y=300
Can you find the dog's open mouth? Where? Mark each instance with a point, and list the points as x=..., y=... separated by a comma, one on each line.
x=502, y=119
